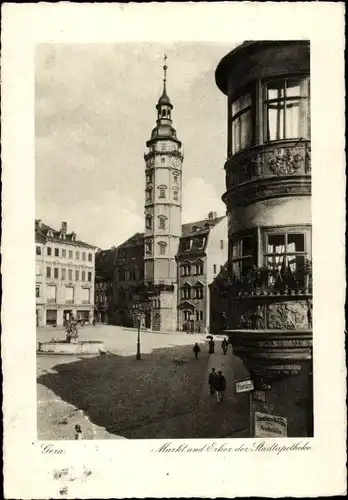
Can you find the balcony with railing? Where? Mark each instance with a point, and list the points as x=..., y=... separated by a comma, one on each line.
x=270, y=282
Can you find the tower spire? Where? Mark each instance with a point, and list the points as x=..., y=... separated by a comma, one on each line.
x=165, y=67
x=164, y=99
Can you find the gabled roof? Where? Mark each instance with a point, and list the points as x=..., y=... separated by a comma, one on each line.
x=41, y=236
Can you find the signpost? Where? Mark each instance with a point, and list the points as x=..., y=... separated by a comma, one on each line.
x=244, y=386
x=267, y=425
x=140, y=308
x=247, y=386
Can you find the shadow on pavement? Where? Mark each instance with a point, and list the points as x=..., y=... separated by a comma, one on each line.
x=159, y=396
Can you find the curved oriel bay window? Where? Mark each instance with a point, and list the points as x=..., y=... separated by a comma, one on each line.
x=286, y=109
x=286, y=256
x=241, y=123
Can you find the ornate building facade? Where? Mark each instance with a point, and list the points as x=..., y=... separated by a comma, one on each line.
x=163, y=194
x=268, y=287
x=64, y=276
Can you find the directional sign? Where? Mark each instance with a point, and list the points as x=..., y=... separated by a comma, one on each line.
x=244, y=386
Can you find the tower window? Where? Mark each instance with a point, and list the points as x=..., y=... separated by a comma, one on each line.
x=175, y=179
x=163, y=112
x=149, y=221
x=149, y=194
x=162, y=191
x=148, y=247
x=163, y=159
x=162, y=247
x=148, y=178
x=162, y=222
x=175, y=194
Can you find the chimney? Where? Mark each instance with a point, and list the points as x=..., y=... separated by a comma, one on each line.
x=64, y=227
x=212, y=215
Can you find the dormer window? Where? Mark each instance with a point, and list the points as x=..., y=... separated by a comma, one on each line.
x=187, y=244
x=50, y=233
x=73, y=237
x=62, y=236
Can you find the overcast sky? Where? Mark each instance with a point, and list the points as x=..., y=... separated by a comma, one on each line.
x=95, y=109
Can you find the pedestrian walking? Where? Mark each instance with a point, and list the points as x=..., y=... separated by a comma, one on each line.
x=196, y=349
x=212, y=381
x=211, y=346
x=220, y=387
x=78, y=432
x=224, y=346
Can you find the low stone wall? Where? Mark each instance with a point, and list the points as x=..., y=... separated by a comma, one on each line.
x=83, y=347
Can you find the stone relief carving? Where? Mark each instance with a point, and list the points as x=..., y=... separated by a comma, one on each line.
x=245, y=319
x=258, y=318
x=308, y=161
x=288, y=316
x=285, y=161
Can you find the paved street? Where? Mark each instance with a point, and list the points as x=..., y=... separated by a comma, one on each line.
x=164, y=395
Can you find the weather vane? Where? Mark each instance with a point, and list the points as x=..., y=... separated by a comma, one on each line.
x=165, y=67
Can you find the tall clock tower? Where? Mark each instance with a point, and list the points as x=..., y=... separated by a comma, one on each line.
x=163, y=198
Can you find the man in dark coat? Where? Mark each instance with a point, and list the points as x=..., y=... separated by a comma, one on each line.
x=224, y=345
x=211, y=346
x=220, y=387
x=212, y=380
x=196, y=349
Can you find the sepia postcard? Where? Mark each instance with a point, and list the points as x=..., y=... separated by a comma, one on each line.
x=187, y=325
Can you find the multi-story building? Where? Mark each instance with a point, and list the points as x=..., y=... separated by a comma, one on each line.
x=202, y=253
x=64, y=276
x=128, y=273
x=104, y=270
x=268, y=200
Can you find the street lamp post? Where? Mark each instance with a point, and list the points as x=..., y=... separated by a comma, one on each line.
x=138, y=340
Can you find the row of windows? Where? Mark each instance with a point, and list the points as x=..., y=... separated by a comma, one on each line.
x=161, y=221
x=285, y=113
x=128, y=275
x=190, y=244
x=188, y=292
x=188, y=316
x=284, y=252
x=63, y=253
x=64, y=275
x=195, y=269
x=161, y=245
x=149, y=175
x=162, y=194
x=85, y=294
